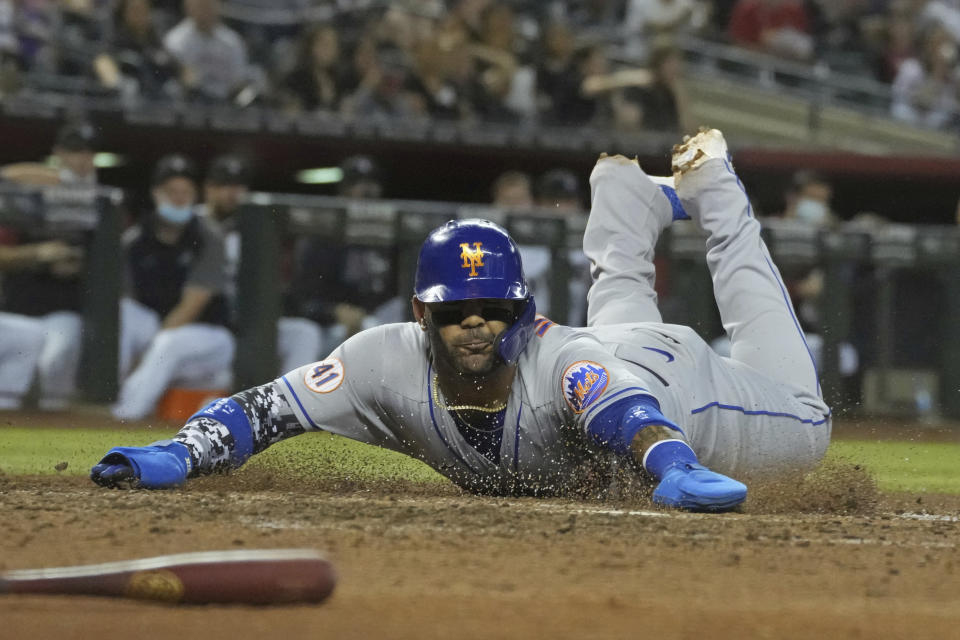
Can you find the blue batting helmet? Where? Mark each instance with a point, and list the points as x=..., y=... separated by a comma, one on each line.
x=470, y=259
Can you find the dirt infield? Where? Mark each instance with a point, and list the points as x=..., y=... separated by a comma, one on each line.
x=826, y=557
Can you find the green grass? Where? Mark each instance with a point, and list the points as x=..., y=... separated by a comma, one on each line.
x=897, y=466
x=26, y=451
x=904, y=466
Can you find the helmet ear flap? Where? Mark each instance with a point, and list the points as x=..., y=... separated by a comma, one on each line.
x=512, y=341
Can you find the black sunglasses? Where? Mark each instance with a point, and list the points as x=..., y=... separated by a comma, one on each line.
x=443, y=315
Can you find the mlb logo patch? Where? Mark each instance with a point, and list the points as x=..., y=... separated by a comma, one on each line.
x=583, y=382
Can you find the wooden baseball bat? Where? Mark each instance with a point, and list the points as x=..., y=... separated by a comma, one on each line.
x=267, y=576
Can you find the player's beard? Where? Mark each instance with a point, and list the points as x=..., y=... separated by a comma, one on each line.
x=471, y=366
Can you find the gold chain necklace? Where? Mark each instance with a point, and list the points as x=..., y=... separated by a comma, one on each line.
x=461, y=407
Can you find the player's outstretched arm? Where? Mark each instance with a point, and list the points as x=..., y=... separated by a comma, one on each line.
x=222, y=435
x=635, y=427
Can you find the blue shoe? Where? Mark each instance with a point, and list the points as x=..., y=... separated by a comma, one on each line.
x=693, y=487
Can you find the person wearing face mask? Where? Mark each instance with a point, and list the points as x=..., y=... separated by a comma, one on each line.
x=808, y=199
x=174, y=314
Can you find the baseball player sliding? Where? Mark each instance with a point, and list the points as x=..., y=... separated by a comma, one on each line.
x=502, y=401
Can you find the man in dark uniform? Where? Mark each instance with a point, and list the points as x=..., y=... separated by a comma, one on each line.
x=174, y=315
x=42, y=267
x=225, y=185
x=358, y=289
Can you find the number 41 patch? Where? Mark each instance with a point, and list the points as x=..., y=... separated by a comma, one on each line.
x=324, y=376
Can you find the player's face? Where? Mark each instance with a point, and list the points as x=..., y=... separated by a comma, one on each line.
x=463, y=332
x=178, y=191
x=224, y=198
x=80, y=163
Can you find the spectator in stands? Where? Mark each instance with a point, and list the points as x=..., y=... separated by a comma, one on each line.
x=225, y=185
x=444, y=81
x=896, y=35
x=570, y=95
x=136, y=57
x=507, y=77
x=778, y=27
x=926, y=89
x=557, y=77
x=383, y=89
x=212, y=56
x=942, y=13
x=658, y=105
x=174, y=315
x=9, y=49
x=317, y=82
x=35, y=25
x=601, y=16
x=42, y=268
x=648, y=21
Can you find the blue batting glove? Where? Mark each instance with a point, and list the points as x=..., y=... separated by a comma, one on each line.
x=159, y=465
x=693, y=487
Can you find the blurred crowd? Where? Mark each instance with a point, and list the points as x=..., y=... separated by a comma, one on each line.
x=557, y=62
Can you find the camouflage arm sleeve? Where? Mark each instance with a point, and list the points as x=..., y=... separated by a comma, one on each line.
x=211, y=443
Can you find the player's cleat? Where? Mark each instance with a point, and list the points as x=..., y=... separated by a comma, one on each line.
x=666, y=184
x=693, y=487
x=694, y=151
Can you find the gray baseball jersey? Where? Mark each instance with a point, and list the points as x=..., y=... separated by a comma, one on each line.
x=379, y=387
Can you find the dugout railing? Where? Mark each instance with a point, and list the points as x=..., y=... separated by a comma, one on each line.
x=851, y=259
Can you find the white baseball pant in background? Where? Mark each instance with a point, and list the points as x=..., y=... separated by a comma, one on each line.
x=47, y=346
x=193, y=355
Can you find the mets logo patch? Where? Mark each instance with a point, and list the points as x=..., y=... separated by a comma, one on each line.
x=472, y=258
x=582, y=384
x=324, y=376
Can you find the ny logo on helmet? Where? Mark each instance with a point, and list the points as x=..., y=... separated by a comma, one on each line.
x=472, y=258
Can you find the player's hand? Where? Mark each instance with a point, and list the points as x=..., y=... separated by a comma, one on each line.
x=115, y=473
x=55, y=251
x=160, y=465
x=693, y=487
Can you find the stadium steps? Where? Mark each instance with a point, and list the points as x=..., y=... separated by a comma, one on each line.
x=768, y=117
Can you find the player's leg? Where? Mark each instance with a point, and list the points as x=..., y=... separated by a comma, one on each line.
x=60, y=359
x=21, y=341
x=754, y=305
x=299, y=341
x=138, y=325
x=211, y=366
x=174, y=354
x=627, y=213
